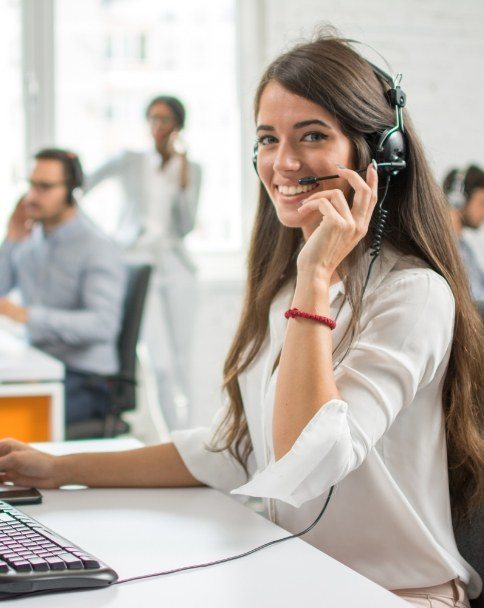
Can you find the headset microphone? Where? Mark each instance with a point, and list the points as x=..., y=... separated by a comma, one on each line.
x=396, y=166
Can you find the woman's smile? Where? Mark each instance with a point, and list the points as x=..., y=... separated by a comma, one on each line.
x=292, y=191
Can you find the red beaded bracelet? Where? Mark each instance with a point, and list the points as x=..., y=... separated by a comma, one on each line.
x=295, y=312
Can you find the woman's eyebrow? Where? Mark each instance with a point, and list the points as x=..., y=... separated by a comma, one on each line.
x=312, y=121
x=264, y=128
x=298, y=125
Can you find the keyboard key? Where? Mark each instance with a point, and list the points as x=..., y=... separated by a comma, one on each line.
x=55, y=563
x=73, y=563
x=39, y=564
x=89, y=562
x=20, y=565
x=6, y=518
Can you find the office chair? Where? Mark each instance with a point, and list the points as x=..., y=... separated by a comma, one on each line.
x=469, y=535
x=123, y=384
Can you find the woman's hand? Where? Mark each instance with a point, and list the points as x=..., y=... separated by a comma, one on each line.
x=26, y=466
x=337, y=229
x=184, y=171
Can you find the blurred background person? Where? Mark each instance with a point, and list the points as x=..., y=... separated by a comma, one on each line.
x=464, y=190
x=161, y=188
x=71, y=279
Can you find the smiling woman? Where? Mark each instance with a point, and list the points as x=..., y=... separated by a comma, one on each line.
x=373, y=386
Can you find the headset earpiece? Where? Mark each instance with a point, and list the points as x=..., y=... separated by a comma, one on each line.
x=255, y=153
x=456, y=196
x=76, y=175
x=390, y=152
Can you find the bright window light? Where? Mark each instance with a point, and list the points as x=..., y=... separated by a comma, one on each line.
x=112, y=56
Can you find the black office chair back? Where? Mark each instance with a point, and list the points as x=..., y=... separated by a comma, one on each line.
x=123, y=384
x=469, y=535
x=136, y=292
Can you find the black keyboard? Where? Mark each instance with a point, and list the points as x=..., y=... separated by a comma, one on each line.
x=34, y=558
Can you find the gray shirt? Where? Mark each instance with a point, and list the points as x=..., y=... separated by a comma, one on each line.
x=72, y=280
x=474, y=271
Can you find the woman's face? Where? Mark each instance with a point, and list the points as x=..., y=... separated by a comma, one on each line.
x=298, y=138
x=473, y=212
x=162, y=122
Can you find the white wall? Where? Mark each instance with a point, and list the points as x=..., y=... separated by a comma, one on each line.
x=438, y=46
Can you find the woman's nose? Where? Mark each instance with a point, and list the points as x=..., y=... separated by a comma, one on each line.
x=286, y=160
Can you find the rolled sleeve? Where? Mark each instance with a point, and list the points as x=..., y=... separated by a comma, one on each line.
x=218, y=470
x=297, y=476
x=405, y=339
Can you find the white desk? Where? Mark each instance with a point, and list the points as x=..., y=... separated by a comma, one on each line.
x=149, y=530
x=31, y=391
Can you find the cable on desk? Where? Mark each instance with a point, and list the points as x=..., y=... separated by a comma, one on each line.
x=233, y=557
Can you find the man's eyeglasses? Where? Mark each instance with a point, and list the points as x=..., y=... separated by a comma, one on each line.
x=44, y=186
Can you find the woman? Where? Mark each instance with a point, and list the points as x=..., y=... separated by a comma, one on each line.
x=161, y=192
x=373, y=416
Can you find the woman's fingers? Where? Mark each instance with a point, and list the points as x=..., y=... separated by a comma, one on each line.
x=366, y=194
x=336, y=198
x=9, y=445
x=372, y=181
x=334, y=204
x=323, y=205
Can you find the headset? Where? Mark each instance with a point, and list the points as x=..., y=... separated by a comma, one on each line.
x=456, y=195
x=72, y=168
x=74, y=175
x=389, y=150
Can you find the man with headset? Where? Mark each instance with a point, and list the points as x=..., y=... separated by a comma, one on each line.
x=71, y=280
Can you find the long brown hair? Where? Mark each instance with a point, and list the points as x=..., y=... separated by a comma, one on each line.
x=330, y=73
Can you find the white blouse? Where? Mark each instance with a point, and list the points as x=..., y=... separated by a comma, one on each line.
x=382, y=445
x=168, y=211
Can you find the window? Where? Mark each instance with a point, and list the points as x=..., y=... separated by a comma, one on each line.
x=11, y=112
x=112, y=56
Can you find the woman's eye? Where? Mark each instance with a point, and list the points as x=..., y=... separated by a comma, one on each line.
x=264, y=140
x=314, y=136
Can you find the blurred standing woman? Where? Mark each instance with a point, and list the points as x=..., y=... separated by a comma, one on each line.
x=161, y=192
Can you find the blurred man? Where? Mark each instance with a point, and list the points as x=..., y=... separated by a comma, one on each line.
x=465, y=193
x=71, y=278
